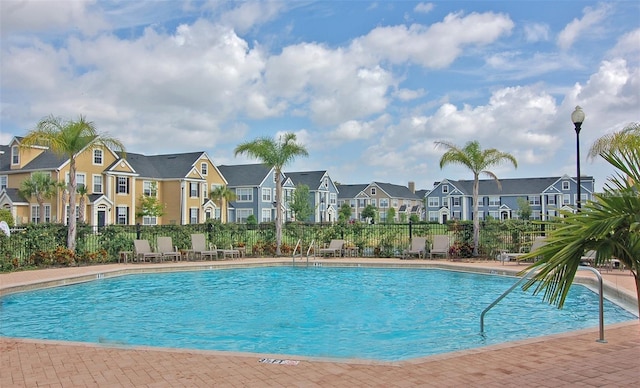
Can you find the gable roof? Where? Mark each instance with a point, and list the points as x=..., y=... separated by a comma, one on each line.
x=395, y=191
x=313, y=179
x=510, y=186
x=245, y=174
x=5, y=157
x=165, y=166
x=350, y=191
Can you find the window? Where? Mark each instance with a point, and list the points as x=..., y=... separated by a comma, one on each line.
x=35, y=214
x=362, y=203
x=97, y=157
x=242, y=214
x=47, y=213
x=194, y=189
x=565, y=185
x=266, y=195
x=15, y=155
x=266, y=215
x=456, y=201
x=433, y=202
x=81, y=179
x=149, y=220
x=4, y=181
x=244, y=195
x=326, y=182
x=551, y=214
x=97, y=184
x=122, y=215
x=205, y=194
x=384, y=202
x=352, y=203
x=67, y=213
x=566, y=199
x=445, y=201
x=203, y=169
x=583, y=198
x=433, y=216
x=494, y=214
x=535, y=215
x=445, y=189
x=193, y=215
x=480, y=215
x=457, y=215
x=551, y=200
x=534, y=200
x=122, y=186
x=149, y=189
x=494, y=201
x=373, y=202
x=373, y=191
x=333, y=198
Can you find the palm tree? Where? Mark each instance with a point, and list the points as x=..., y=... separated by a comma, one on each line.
x=276, y=154
x=222, y=195
x=476, y=160
x=41, y=186
x=608, y=224
x=66, y=138
x=82, y=192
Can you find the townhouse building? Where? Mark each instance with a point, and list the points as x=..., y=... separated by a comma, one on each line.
x=323, y=194
x=383, y=196
x=453, y=199
x=115, y=184
x=255, y=189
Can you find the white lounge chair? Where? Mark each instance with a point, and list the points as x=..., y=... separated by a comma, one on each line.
x=230, y=253
x=417, y=248
x=334, y=248
x=538, y=242
x=440, y=246
x=143, y=251
x=167, y=250
x=199, y=248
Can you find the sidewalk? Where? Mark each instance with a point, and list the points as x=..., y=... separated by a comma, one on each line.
x=570, y=359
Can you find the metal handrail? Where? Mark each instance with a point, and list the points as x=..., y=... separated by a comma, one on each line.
x=299, y=244
x=600, y=291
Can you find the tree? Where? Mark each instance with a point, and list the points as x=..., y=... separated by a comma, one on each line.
x=41, y=186
x=66, y=138
x=391, y=215
x=524, y=208
x=150, y=205
x=608, y=224
x=5, y=215
x=344, y=213
x=478, y=161
x=369, y=212
x=222, y=195
x=300, y=204
x=82, y=192
x=276, y=154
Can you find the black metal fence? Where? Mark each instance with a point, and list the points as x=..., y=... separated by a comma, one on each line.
x=45, y=243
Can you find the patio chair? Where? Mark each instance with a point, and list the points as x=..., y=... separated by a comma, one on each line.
x=199, y=247
x=538, y=242
x=230, y=253
x=440, y=246
x=334, y=248
x=167, y=250
x=143, y=251
x=417, y=248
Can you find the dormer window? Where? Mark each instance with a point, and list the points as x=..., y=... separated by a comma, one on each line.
x=15, y=155
x=373, y=191
x=203, y=169
x=565, y=185
x=445, y=189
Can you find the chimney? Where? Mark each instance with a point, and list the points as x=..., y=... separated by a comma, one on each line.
x=412, y=187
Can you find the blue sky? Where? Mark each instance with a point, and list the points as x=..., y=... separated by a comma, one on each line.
x=367, y=86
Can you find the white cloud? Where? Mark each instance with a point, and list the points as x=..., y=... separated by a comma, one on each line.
x=251, y=13
x=408, y=94
x=423, y=8
x=628, y=46
x=591, y=17
x=536, y=32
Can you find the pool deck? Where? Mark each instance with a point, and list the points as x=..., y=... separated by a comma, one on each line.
x=565, y=360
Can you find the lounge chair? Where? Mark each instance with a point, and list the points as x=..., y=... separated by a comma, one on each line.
x=143, y=251
x=440, y=246
x=199, y=248
x=538, y=242
x=167, y=250
x=417, y=248
x=334, y=248
x=230, y=253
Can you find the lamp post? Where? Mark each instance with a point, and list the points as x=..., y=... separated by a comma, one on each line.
x=321, y=208
x=577, y=117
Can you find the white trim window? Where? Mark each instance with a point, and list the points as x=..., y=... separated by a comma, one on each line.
x=266, y=194
x=494, y=214
x=445, y=189
x=204, y=168
x=194, y=189
x=551, y=199
x=384, y=203
x=565, y=185
x=4, y=181
x=194, y=215
x=150, y=189
x=494, y=200
x=122, y=215
x=149, y=220
x=434, y=216
x=244, y=195
x=97, y=184
x=457, y=214
x=536, y=215
x=456, y=202
x=243, y=214
x=122, y=185
x=373, y=191
x=15, y=155
x=534, y=200
x=98, y=157
x=266, y=215
x=373, y=202
x=434, y=202
x=566, y=199
x=445, y=201
x=333, y=198
x=35, y=214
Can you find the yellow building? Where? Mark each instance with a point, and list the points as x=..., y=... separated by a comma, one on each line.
x=114, y=185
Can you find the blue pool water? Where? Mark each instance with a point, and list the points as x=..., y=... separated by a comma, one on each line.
x=367, y=313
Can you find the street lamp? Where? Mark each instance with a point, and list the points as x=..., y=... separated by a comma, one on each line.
x=577, y=117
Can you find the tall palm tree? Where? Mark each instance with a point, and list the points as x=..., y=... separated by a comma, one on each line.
x=82, y=193
x=222, y=195
x=276, y=154
x=478, y=161
x=608, y=224
x=66, y=138
x=41, y=186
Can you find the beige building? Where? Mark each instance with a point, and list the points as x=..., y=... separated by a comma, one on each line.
x=115, y=184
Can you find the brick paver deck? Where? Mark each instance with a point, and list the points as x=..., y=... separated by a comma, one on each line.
x=572, y=359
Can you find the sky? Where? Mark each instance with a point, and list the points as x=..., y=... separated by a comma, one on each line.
x=368, y=87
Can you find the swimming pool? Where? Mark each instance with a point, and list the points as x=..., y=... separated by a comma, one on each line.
x=366, y=313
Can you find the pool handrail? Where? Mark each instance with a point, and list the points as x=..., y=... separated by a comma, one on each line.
x=600, y=291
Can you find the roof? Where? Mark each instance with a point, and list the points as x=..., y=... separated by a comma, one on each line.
x=396, y=191
x=14, y=195
x=510, y=186
x=350, y=191
x=5, y=157
x=245, y=174
x=312, y=179
x=163, y=166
